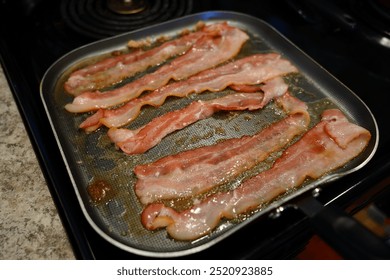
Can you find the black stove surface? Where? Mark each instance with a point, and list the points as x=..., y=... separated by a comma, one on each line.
x=340, y=36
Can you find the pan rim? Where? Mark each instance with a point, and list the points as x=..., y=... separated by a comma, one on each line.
x=209, y=15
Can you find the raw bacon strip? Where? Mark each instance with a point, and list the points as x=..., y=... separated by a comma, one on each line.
x=113, y=70
x=246, y=88
x=220, y=43
x=254, y=69
x=196, y=171
x=329, y=145
x=142, y=139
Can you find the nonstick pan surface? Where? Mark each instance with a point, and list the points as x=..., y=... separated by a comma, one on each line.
x=91, y=158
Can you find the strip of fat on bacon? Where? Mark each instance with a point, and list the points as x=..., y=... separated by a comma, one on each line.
x=142, y=139
x=220, y=43
x=250, y=70
x=114, y=69
x=196, y=171
x=329, y=145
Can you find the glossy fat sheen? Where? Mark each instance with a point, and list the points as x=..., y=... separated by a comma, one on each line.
x=250, y=70
x=315, y=154
x=220, y=43
x=196, y=171
x=142, y=139
x=114, y=69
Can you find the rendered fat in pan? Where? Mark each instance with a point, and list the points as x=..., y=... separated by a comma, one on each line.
x=91, y=158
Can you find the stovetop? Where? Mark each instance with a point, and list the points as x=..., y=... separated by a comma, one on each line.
x=349, y=39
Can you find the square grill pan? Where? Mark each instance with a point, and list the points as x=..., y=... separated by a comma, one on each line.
x=92, y=157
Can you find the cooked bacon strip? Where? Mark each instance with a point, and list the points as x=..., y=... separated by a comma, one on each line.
x=254, y=69
x=329, y=145
x=142, y=139
x=114, y=69
x=196, y=171
x=220, y=43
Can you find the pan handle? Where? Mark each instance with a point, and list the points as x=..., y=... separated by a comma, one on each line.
x=343, y=233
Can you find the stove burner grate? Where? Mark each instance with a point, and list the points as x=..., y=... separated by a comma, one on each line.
x=96, y=19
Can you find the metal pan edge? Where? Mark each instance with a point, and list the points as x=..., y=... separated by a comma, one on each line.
x=62, y=64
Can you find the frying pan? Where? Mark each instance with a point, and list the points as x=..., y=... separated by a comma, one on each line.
x=92, y=157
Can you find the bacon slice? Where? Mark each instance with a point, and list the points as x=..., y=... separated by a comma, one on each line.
x=196, y=171
x=142, y=139
x=329, y=145
x=220, y=43
x=254, y=69
x=114, y=69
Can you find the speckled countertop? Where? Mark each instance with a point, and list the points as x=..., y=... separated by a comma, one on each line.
x=30, y=227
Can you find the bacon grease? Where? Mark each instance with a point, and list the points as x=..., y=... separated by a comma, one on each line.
x=219, y=43
x=114, y=69
x=329, y=145
x=250, y=70
x=142, y=139
x=196, y=171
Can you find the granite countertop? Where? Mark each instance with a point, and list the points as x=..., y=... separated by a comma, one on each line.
x=30, y=227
